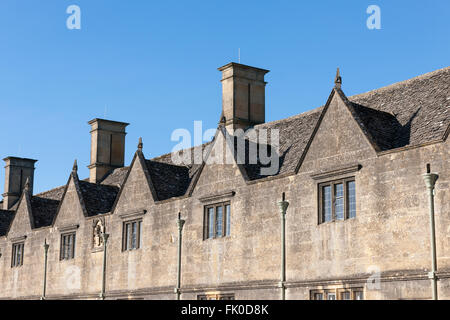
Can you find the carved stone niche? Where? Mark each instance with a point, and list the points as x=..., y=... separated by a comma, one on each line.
x=98, y=227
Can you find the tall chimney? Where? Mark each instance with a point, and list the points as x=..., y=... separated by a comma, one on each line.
x=243, y=96
x=107, y=147
x=17, y=171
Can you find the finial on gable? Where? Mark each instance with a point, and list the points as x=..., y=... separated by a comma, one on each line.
x=338, y=80
x=140, y=144
x=26, y=188
x=75, y=166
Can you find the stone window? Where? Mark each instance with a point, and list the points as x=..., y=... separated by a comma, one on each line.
x=228, y=296
x=17, y=254
x=67, y=251
x=338, y=294
x=217, y=220
x=337, y=200
x=131, y=239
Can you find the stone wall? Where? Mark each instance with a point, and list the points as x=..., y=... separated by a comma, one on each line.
x=390, y=233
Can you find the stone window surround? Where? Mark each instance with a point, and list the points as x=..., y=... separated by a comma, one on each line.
x=17, y=243
x=331, y=174
x=336, y=172
x=125, y=236
x=68, y=233
x=216, y=197
x=225, y=222
x=68, y=228
x=133, y=214
x=129, y=217
x=332, y=183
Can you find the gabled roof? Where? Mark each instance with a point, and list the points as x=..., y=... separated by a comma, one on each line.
x=406, y=114
x=115, y=177
x=409, y=113
x=420, y=108
x=45, y=205
x=6, y=217
x=294, y=135
x=174, y=180
x=97, y=198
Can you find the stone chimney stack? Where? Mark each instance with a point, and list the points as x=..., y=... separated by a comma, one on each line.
x=107, y=147
x=17, y=171
x=243, y=96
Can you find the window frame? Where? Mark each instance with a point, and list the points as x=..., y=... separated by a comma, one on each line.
x=226, y=220
x=21, y=246
x=337, y=293
x=220, y=296
x=127, y=238
x=332, y=184
x=62, y=253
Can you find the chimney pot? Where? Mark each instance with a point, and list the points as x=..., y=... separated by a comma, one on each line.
x=19, y=172
x=107, y=147
x=243, y=96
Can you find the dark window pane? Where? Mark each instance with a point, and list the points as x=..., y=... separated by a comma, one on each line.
x=359, y=295
x=17, y=254
x=339, y=201
x=67, y=246
x=228, y=219
x=318, y=296
x=219, y=221
x=134, y=234
x=351, y=194
x=139, y=234
x=326, y=203
x=331, y=296
x=210, y=222
x=128, y=236
x=345, y=295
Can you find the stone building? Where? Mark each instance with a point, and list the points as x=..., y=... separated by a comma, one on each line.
x=357, y=225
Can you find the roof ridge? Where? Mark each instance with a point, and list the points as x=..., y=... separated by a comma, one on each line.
x=44, y=192
x=295, y=116
x=182, y=150
x=406, y=82
x=391, y=86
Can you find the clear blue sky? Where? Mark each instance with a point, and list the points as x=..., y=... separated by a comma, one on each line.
x=154, y=64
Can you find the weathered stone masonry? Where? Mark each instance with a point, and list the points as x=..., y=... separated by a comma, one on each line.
x=383, y=138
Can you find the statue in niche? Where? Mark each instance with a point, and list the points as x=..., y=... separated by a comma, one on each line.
x=99, y=228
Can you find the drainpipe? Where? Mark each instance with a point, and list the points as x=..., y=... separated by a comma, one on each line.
x=430, y=181
x=44, y=286
x=180, y=224
x=105, y=237
x=283, y=205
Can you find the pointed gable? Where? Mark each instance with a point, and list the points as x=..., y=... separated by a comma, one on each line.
x=91, y=198
x=71, y=207
x=220, y=169
x=338, y=132
x=22, y=221
x=136, y=186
